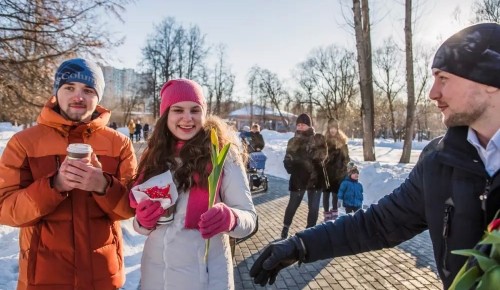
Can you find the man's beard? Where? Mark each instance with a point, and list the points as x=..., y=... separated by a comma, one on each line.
x=465, y=118
x=75, y=117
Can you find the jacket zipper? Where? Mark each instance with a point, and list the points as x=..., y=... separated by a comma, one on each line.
x=483, y=197
x=448, y=209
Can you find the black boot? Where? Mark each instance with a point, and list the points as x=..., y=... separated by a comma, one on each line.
x=284, y=233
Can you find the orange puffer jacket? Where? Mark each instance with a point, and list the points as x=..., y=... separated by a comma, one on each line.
x=67, y=241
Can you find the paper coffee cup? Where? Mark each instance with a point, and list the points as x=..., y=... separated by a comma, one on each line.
x=79, y=150
x=166, y=218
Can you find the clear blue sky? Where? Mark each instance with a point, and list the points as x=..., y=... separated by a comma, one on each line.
x=276, y=34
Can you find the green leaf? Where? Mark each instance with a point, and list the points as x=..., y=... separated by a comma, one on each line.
x=490, y=279
x=467, y=280
x=469, y=253
x=223, y=153
x=486, y=263
x=458, y=277
x=214, y=154
x=491, y=238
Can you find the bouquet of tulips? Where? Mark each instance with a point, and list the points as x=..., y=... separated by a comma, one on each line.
x=482, y=269
x=218, y=159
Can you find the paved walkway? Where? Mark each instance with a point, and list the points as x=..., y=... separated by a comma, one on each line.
x=408, y=266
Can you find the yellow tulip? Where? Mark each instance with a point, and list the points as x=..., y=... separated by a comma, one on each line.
x=218, y=159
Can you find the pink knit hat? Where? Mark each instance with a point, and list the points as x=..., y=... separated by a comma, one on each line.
x=180, y=90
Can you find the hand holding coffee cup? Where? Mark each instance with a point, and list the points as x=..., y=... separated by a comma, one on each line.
x=81, y=170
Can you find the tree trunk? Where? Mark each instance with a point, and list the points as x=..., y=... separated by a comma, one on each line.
x=410, y=86
x=363, y=46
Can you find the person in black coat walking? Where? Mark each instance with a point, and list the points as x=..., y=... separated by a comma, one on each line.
x=145, y=131
x=454, y=189
x=138, y=131
x=304, y=157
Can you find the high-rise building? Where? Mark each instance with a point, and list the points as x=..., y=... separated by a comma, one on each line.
x=125, y=93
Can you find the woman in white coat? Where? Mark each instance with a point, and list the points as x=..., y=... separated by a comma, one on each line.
x=173, y=256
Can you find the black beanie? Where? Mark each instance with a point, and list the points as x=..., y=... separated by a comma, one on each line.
x=472, y=53
x=304, y=119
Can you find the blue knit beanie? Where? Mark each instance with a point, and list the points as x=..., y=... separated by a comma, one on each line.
x=472, y=53
x=82, y=71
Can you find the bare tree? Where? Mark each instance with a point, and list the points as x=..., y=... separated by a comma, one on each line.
x=328, y=79
x=270, y=88
x=172, y=51
x=410, y=85
x=422, y=83
x=363, y=46
x=260, y=98
x=221, y=87
x=195, y=54
x=387, y=79
x=306, y=78
x=486, y=10
x=252, y=85
x=35, y=35
x=151, y=65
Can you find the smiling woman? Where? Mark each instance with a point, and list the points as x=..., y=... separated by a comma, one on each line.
x=180, y=144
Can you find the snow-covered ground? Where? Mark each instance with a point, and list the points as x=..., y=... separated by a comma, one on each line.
x=378, y=179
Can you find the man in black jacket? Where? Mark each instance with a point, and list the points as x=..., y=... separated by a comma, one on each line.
x=453, y=190
x=305, y=154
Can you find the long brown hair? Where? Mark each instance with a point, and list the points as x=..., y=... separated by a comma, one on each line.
x=160, y=154
x=338, y=140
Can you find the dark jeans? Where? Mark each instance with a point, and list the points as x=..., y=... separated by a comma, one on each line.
x=326, y=200
x=313, y=198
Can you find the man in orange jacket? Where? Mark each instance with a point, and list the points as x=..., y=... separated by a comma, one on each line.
x=68, y=209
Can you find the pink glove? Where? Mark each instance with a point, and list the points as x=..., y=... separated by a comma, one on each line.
x=148, y=212
x=220, y=218
x=131, y=199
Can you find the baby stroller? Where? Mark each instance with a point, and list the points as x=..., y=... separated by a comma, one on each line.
x=255, y=171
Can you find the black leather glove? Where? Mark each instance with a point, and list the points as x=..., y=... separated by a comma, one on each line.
x=276, y=256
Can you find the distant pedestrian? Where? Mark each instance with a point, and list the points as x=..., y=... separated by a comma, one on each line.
x=335, y=167
x=138, y=131
x=145, y=131
x=351, y=192
x=113, y=126
x=304, y=157
x=131, y=129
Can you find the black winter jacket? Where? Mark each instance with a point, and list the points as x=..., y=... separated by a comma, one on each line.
x=305, y=154
x=256, y=142
x=446, y=184
x=336, y=165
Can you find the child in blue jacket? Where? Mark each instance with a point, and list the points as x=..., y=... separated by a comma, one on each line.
x=351, y=192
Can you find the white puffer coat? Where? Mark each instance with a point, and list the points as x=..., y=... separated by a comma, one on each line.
x=173, y=256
